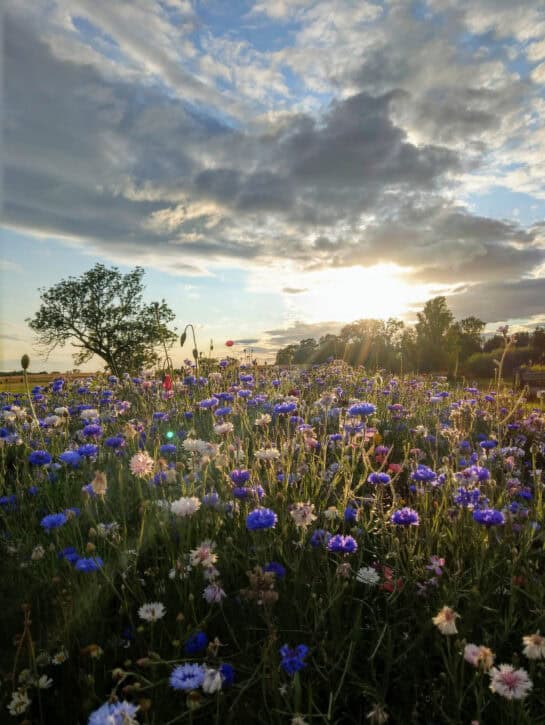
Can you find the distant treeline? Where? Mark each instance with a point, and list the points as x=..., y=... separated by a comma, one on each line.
x=437, y=342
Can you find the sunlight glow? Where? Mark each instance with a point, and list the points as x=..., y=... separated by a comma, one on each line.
x=357, y=292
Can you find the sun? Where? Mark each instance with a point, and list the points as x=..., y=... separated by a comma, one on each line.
x=344, y=295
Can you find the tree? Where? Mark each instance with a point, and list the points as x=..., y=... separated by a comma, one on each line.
x=103, y=313
x=432, y=327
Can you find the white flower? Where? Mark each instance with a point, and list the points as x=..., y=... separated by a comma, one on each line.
x=302, y=514
x=152, y=611
x=44, y=682
x=445, y=621
x=534, y=646
x=20, y=702
x=331, y=513
x=263, y=420
x=479, y=656
x=37, y=553
x=141, y=464
x=52, y=421
x=224, y=428
x=367, y=575
x=185, y=506
x=203, y=555
x=203, y=448
x=212, y=681
x=60, y=657
x=267, y=454
x=510, y=683
x=91, y=414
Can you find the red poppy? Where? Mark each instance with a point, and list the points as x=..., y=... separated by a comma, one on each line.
x=229, y=343
x=167, y=382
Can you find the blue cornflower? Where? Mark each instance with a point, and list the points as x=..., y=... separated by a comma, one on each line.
x=115, y=442
x=320, y=537
x=476, y=472
x=261, y=518
x=293, y=660
x=242, y=492
x=167, y=449
x=160, y=416
x=244, y=393
x=187, y=677
x=92, y=431
x=53, y=521
x=246, y=378
x=227, y=673
x=88, y=450
x=70, y=554
x=113, y=713
x=379, y=478
x=489, y=517
x=208, y=403
x=467, y=497
x=196, y=643
x=423, y=474
x=210, y=499
x=39, y=458
x=350, y=514
x=220, y=412
x=277, y=568
x=342, y=544
x=283, y=408
x=488, y=445
x=405, y=517
x=362, y=409
x=90, y=564
x=240, y=476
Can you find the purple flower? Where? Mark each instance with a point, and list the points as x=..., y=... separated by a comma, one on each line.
x=53, y=521
x=405, y=517
x=320, y=537
x=379, y=478
x=196, y=643
x=261, y=518
x=240, y=476
x=278, y=570
x=39, y=458
x=293, y=660
x=342, y=544
x=92, y=431
x=489, y=517
x=187, y=677
x=361, y=409
x=90, y=564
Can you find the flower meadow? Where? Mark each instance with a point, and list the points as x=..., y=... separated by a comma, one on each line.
x=266, y=545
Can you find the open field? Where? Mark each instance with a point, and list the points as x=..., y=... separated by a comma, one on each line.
x=273, y=546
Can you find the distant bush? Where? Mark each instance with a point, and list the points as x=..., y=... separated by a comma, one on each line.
x=482, y=365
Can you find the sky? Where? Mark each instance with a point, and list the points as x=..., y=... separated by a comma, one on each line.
x=278, y=167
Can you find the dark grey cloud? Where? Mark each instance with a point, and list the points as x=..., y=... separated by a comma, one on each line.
x=296, y=331
x=497, y=301
x=143, y=175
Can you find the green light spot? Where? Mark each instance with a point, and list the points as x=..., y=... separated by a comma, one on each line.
x=169, y=434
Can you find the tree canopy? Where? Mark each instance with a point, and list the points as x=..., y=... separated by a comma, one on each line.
x=103, y=313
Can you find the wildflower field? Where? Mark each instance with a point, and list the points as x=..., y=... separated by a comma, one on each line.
x=271, y=546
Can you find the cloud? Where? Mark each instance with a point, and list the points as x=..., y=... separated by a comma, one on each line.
x=353, y=141
x=280, y=337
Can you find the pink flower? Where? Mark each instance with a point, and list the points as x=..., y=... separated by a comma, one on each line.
x=510, y=683
x=141, y=464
